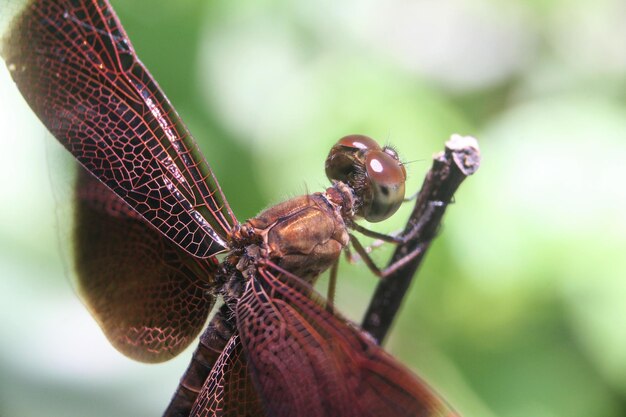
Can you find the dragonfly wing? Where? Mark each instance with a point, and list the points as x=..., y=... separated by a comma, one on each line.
x=146, y=293
x=306, y=361
x=77, y=69
x=228, y=391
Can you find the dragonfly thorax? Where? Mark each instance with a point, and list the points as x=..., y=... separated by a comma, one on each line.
x=303, y=235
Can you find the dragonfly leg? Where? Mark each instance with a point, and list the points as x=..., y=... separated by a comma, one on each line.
x=332, y=285
x=376, y=235
x=212, y=342
x=409, y=234
x=351, y=257
x=377, y=243
x=383, y=273
x=411, y=197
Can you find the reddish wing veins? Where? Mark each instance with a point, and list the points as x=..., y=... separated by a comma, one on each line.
x=145, y=292
x=305, y=361
x=228, y=391
x=75, y=66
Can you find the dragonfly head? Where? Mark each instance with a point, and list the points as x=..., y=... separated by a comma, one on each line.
x=374, y=173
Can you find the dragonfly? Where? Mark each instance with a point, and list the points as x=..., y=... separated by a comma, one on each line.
x=151, y=220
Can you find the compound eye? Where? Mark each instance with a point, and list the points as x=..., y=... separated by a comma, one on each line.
x=347, y=155
x=358, y=142
x=386, y=182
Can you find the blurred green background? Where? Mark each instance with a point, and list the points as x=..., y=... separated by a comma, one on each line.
x=520, y=308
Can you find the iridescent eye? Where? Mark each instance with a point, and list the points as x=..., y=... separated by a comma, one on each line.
x=358, y=142
x=386, y=186
x=375, y=175
x=345, y=160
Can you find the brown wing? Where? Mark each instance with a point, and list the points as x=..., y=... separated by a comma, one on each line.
x=307, y=362
x=76, y=68
x=148, y=295
x=228, y=391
